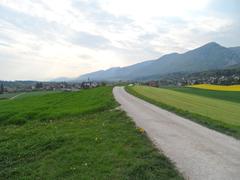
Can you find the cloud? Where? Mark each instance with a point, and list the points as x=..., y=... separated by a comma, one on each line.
x=89, y=40
x=45, y=39
x=93, y=11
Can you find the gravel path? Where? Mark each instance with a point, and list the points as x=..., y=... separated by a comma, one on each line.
x=199, y=153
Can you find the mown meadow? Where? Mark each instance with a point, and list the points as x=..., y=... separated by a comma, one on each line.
x=218, y=110
x=75, y=135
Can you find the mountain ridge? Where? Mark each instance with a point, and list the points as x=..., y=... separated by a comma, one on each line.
x=210, y=56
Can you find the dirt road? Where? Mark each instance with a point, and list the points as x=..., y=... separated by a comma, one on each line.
x=199, y=153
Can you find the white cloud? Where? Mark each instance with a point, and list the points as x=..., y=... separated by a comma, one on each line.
x=45, y=39
x=152, y=8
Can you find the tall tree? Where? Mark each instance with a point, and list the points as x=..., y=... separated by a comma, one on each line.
x=39, y=85
x=1, y=89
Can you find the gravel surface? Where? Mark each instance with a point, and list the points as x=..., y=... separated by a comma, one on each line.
x=198, y=152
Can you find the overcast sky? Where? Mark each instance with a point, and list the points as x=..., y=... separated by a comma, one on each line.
x=45, y=39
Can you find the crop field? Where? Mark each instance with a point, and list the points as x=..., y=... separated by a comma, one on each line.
x=75, y=135
x=221, y=114
x=217, y=87
x=233, y=96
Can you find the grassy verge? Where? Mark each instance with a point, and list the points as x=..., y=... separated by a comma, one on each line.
x=186, y=109
x=99, y=144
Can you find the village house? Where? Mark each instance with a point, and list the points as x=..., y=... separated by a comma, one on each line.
x=89, y=84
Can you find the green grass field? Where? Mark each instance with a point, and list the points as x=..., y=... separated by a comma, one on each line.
x=8, y=95
x=75, y=135
x=233, y=96
x=36, y=93
x=19, y=95
x=53, y=106
x=209, y=110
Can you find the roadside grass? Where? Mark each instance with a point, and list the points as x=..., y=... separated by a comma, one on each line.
x=224, y=95
x=217, y=114
x=98, y=142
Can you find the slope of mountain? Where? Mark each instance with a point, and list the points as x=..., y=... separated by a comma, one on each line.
x=208, y=57
x=117, y=73
x=236, y=50
x=63, y=79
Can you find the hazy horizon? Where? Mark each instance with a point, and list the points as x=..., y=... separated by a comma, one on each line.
x=43, y=40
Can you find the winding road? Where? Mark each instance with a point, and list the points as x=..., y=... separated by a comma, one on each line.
x=198, y=152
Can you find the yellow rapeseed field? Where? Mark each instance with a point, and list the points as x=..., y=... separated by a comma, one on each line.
x=217, y=87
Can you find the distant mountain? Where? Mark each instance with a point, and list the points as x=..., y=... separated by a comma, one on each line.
x=208, y=57
x=63, y=79
x=236, y=50
x=117, y=73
